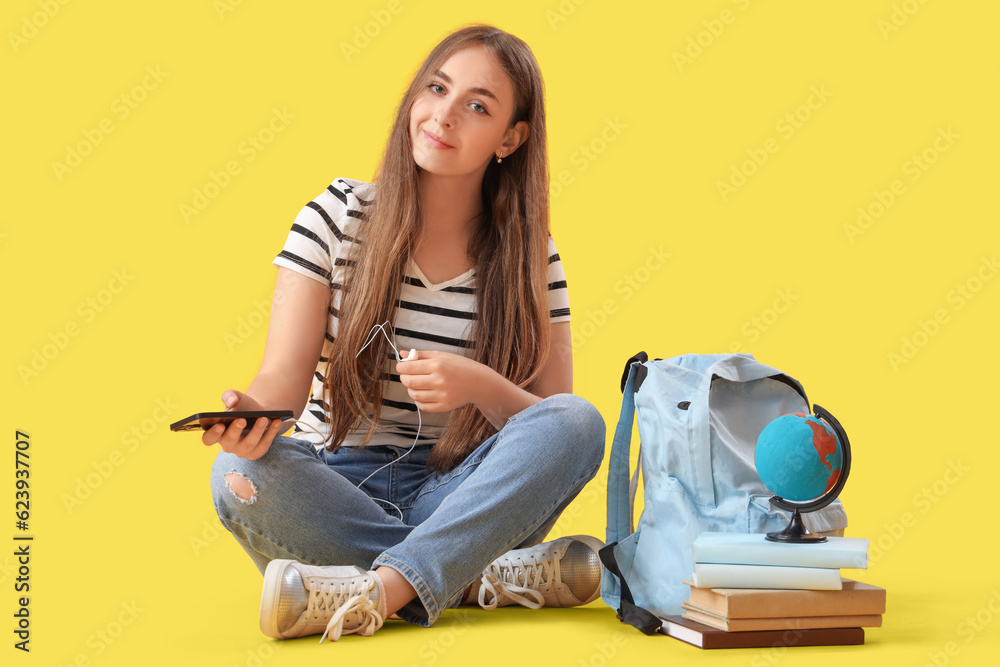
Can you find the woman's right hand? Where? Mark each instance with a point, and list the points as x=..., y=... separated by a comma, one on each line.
x=254, y=444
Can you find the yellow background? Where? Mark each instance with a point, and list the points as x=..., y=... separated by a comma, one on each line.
x=137, y=570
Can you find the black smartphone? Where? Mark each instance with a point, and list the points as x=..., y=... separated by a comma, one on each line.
x=202, y=421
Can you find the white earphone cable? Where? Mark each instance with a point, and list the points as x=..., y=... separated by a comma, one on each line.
x=375, y=330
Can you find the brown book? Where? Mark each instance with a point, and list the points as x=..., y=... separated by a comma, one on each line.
x=707, y=637
x=696, y=613
x=855, y=599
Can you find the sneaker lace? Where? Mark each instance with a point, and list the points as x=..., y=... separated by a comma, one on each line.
x=346, y=602
x=521, y=582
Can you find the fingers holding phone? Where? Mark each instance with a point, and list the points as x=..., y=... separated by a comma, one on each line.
x=248, y=436
x=235, y=401
x=251, y=444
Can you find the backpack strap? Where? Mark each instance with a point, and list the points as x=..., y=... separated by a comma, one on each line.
x=619, y=509
x=620, y=498
x=646, y=621
x=642, y=358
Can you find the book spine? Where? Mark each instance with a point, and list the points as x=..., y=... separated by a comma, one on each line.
x=709, y=638
x=715, y=575
x=765, y=554
x=803, y=623
x=775, y=638
x=749, y=603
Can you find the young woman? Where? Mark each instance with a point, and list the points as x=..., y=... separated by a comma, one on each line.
x=412, y=486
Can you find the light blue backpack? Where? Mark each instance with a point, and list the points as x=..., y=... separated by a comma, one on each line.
x=699, y=417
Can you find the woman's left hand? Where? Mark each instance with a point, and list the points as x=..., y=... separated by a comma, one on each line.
x=441, y=381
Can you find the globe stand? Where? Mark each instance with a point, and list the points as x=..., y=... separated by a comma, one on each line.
x=796, y=531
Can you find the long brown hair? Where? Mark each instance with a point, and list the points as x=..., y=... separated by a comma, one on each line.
x=508, y=250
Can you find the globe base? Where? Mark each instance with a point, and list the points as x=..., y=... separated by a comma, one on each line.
x=796, y=533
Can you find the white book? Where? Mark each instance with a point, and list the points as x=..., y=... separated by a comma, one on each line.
x=755, y=549
x=725, y=575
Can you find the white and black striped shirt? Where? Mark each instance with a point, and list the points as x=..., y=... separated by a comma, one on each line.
x=428, y=317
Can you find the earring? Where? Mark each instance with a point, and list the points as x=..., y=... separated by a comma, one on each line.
x=499, y=158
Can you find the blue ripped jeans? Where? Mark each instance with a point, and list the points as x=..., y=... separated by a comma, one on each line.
x=508, y=493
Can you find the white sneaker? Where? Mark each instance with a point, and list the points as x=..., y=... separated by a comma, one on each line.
x=562, y=573
x=300, y=600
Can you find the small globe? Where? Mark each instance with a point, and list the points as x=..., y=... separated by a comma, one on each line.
x=799, y=457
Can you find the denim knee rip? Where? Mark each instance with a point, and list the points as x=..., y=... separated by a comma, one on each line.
x=247, y=490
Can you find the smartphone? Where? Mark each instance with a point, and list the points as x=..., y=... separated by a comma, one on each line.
x=202, y=421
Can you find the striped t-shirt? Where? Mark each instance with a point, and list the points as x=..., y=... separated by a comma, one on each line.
x=428, y=317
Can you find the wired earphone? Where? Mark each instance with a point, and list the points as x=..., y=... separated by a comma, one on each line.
x=372, y=335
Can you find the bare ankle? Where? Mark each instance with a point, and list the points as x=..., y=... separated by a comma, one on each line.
x=398, y=591
x=471, y=595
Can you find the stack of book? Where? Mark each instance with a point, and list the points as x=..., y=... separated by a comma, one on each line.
x=740, y=560
x=749, y=592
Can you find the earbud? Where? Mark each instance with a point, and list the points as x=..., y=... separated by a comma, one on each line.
x=411, y=356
